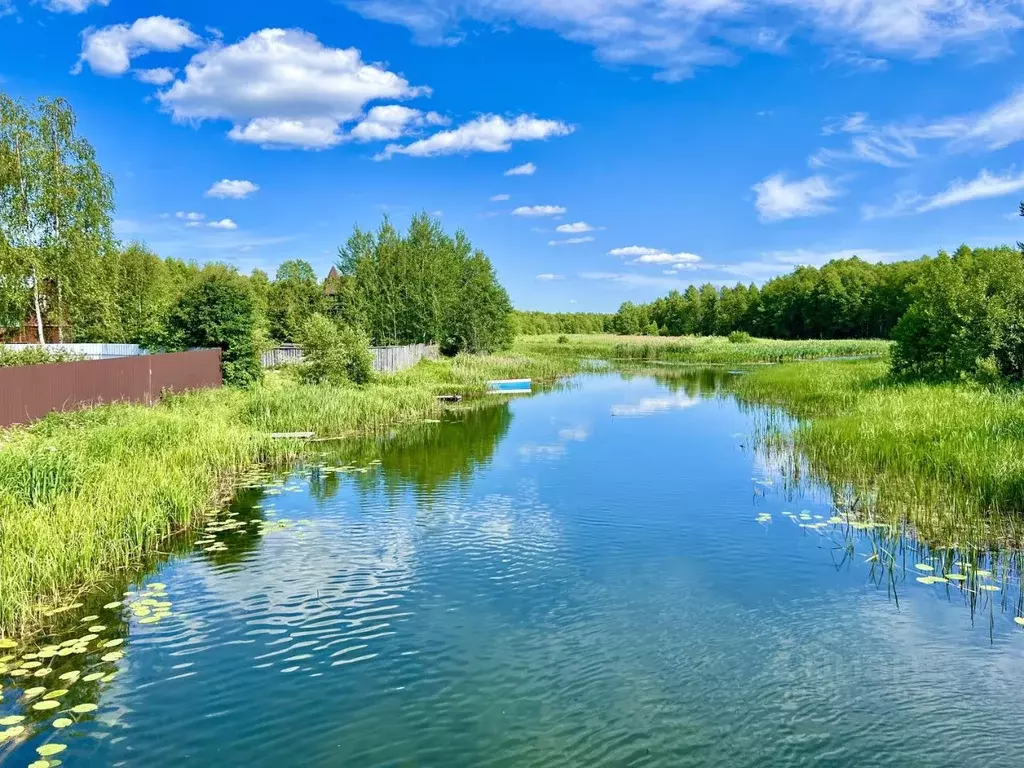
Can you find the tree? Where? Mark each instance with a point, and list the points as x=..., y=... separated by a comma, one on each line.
x=480, y=320
x=142, y=293
x=293, y=297
x=55, y=206
x=217, y=310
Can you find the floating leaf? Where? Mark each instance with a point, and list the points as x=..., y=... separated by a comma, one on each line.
x=18, y=672
x=12, y=720
x=63, y=722
x=39, y=764
x=87, y=619
x=92, y=677
x=56, y=694
x=73, y=675
x=115, y=656
x=97, y=628
x=49, y=750
x=989, y=587
x=983, y=573
x=6, y=643
x=31, y=693
x=113, y=605
x=1019, y=620
x=923, y=567
x=158, y=586
x=31, y=664
x=42, y=672
x=113, y=643
x=956, y=576
x=149, y=620
x=42, y=706
x=84, y=709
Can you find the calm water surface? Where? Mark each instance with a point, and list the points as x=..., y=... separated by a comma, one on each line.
x=574, y=579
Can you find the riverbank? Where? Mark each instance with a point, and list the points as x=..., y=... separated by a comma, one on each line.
x=949, y=458
x=90, y=494
x=703, y=350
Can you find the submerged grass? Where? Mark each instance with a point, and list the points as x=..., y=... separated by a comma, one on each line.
x=90, y=494
x=706, y=350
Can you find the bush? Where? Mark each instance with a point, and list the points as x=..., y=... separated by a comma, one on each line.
x=10, y=358
x=217, y=310
x=563, y=339
x=334, y=355
x=740, y=337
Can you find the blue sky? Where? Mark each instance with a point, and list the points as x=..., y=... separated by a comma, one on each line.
x=657, y=142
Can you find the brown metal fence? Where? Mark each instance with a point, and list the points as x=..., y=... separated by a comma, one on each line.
x=29, y=392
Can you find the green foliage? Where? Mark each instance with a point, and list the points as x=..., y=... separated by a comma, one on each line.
x=293, y=297
x=539, y=323
x=740, y=337
x=334, y=355
x=217, y=310
x=424, y=286
x=966, y=317
x=563, y=339
x=10, y=358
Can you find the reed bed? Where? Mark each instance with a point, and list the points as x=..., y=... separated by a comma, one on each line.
x=705, y=350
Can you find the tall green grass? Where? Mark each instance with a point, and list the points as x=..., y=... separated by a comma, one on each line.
x=948, y=457
x=709, y=350
x=88, y=495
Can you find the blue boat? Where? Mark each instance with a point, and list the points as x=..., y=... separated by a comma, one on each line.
x=510, y=387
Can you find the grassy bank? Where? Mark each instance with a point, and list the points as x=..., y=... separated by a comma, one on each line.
x=88, y=495
x=706, y=350
x=948, y=457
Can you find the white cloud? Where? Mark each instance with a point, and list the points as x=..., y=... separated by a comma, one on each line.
x=392, y=121
x=634, y=280
x=775, y=263
x=986, y=185
x=678, y=36
x=678, y=259
x=539, y=210
x=896, y=144
x=500, y=198
x=549, y=276
x=575, y=228
x=234, y=189
x=572, y=241
x=223, y=224
x=109, y=51
x=633, y=250
x=190, y=216
x=652, y=405
x=526, y=169
x=73, y=6
x=489, y=133
x=158, y=76
x=281, y=89
x=778, y=199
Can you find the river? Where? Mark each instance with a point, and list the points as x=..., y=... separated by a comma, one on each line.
x=606, y=574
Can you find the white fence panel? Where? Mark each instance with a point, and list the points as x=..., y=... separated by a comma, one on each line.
x=89, y=351
x=385, y=359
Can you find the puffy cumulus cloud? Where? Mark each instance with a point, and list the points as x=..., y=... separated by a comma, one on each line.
x=488, y=133
x=539, y=210
x=109, y=50
x=576, y=228
x=633, y=250
x=545, y=276
x=778, y=199
x=678, y=36
x=223, y=224
x=158, y=76
x=190, y=216
x=526, y=169
x=572, y=241
x=195, y=220
x=73, y=6
x=392, y=121
x=643, y=255
x=282, y=89
x=233, y=189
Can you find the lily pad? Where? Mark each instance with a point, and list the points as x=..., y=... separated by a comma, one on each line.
x=84, y=709
x=113, y=643
x=12, y=720
x=56, y=694
x=1019, y=620
x=6, y=643
x=63, y=722
x=87, y=619
x=31, y=693
x=113, y=605
x=114, y=656
x=989, y=587
x=49, y=750
x=923, y=567
x=92, y=677
x=43, y=706
x=73, y=675
x=956, y=576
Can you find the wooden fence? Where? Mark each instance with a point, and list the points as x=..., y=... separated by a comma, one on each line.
x=385, y=359
x=29, y=392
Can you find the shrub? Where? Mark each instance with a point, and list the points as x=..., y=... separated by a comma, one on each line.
x=563, y=339
x=217, y=310
x=334, y=355
x=740, y=337
x=10, y=358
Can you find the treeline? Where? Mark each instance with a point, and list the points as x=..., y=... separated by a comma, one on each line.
x=64, y=277
x=845, y=299
x=538, y=323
